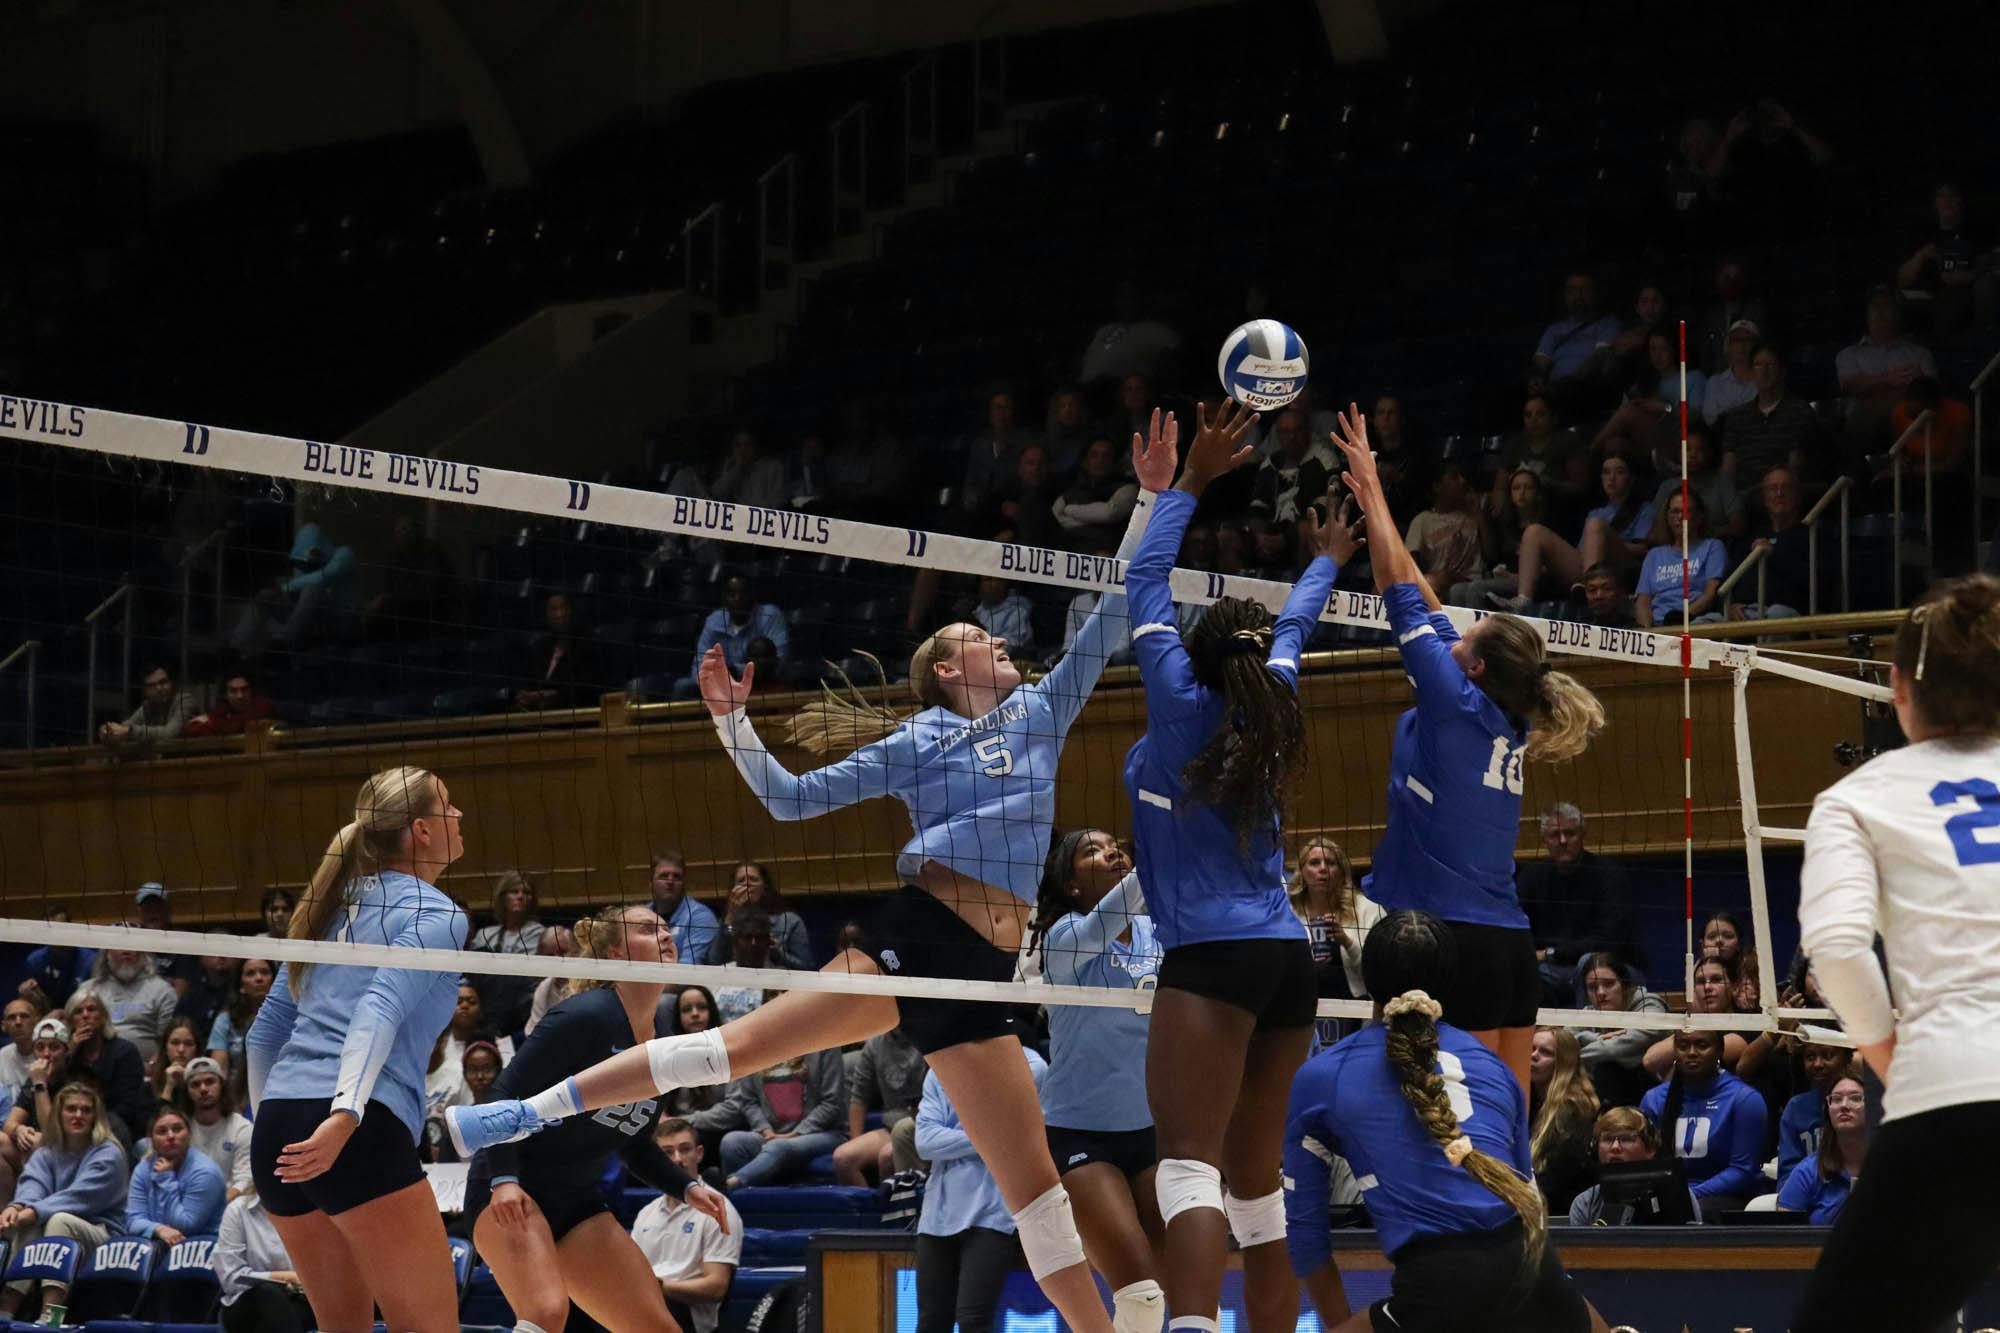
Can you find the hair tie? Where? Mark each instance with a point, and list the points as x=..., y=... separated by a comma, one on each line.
x=1458, y=1150
x=1413, y=1002
x=1922, y=616
x=1543, y=668
x=1247, y=641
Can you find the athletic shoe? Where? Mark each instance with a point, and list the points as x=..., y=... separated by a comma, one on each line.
x=1499, y=602
x=476, y=1127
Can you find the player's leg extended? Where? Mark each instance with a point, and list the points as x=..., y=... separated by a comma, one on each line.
x=1251, y=1152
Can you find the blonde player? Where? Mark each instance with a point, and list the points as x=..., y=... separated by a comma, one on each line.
x=1909, y=847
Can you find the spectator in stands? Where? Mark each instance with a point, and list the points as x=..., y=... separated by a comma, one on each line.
x=1719, y=497
x=1722, y=1165
x=1005, y=613
x=694, y=1258
x=1715, y=346
x=1774, y=429
x=1722, y=935
x=755, y=884
x=1080, y=607
x=784, y=1117
x=516, y=930
x=232, y=1025
x=261, y=1291
x=992, y=455
x=1944, y=449
x=677, y=1139
x=161, y=717
x=1622, y=1135
x=1735, y=383
x=1712, y=994
x=1092, y=512
x=1274, y=547
x=469, y=1024
x=1819, y=1185
x=1515, y=508
x=177, y=1192
x=210, y=994
x=1023, y=506
x=865, y=471
x=275, y=908
x=750, y=945
x=167, y=1079
x=1692, y=177
x=1295, y=473
x=1449, y=539
x=1945, y=268
x=135, y=998
x=1133, y=410
x=1614, y=1057
x=17, y=1022
x=1337, y=915
x=1574, y=345
x=1787, y=580
x=556, y=942
x=1627, y=352
x=1068, y=431
x=694, y=926
x=217, y=1129
x=965, y=1235
x=739, y=619
x=319, y=599
x=887, y=1076
x=480, y=1065
x=693, y=1010
x=1649, y=416
x=1562, y=1109
x=54, y=970
x=1557, y=458
x=1771, y=170
x=750, y=476
x=417, y=584
x=73, y=1186
x=560, y=665
x=1659, y=598
x=444, y=1088
x=155, y=912
x=1615, y=531
x=98, y=1052
x=48, y=1069
x=1405, y=465
x=241, y=705
x=1804, y=1116
x=1128, y=344
x=1577, y=902
x=1875, y=371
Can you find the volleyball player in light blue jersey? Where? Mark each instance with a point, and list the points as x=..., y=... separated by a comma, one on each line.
x=1484, y=702
x=1224, y=747
x=976, y=769
x=1091, y=929
x=337, y=1059
x=1435, y=1130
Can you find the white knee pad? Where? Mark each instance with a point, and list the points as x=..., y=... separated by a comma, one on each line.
x=1183, y=1183
x=1139, y=1308
x=1047, y=1229
x=1256, y=1221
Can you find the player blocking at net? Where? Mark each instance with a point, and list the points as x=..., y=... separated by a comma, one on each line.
x=976, y=768
x=1908, y=847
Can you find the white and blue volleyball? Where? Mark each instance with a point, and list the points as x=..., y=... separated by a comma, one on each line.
x=1263, y=364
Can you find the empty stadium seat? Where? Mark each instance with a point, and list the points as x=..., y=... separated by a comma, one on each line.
x=112, y=1282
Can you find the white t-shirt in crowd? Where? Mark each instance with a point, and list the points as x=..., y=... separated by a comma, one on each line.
x=678, y=1239
x=227, y=1143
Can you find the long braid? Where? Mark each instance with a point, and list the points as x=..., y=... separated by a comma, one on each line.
x=1412, y=1049
x=1253, y=763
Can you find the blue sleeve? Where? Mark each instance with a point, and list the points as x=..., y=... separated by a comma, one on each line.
x=1546, y=346
x=338, y=567
x=391, y=998
x=1654, y=1104
x=1307, y=1175
x=873, y=770
x=1798, y=1188
x=1171, y=689
x=792, y=946
x=220, y=1031
x=1069, y=683
x=1300, y=617
x=139, y=1210
x=94, y=1191
x=711, y=634
x=207, y=1197
x=1426, y=651
x=1714, y=564
x=1085, y=935
x=269, y=1032
x=939, y=1136
x=771, y=624
x=1745, y=1121
x=1794, y=1122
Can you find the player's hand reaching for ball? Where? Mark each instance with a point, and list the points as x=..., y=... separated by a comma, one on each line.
x=1352, y=438
x=723, y=693
x=1156, y=454
x=1218, y=446
x=1337, y=537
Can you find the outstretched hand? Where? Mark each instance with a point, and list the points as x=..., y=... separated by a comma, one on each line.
x=723, y=693
x=1352, y=438
x=1218, y=446
x=1156, y=454
x=1338, y=536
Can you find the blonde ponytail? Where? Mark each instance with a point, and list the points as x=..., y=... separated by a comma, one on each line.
x=840, y=723
x=1562, y=715
x=383, y=808
x=1568, y=718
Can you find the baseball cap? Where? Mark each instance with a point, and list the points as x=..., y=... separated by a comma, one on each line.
x=203, y=1065
x=1745, y=326
x=152, y=888
x=50, y=1027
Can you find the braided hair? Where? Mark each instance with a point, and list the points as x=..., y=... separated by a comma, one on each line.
x=1410, y=956
x=1253, y=763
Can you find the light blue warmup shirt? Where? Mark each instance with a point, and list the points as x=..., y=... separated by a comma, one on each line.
x=1719, y=1135
x=1097, y=1057
x=1660, y=574
x=1198, y=886
x=362, y=1034
x=1346, y=1103
x=960, y=1193
x=1454, y=785
x=981, y=792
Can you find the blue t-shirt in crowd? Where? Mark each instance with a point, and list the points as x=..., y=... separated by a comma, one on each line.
x=1637, y=526
x=1660, y=574
x=1799, y=1126
x=1454, y=785
x=1719, y=1137
x=1805, y=1191
x=1097, y=1057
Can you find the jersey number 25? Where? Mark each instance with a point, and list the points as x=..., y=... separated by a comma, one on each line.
x=1966, y=827
x=1504, y=772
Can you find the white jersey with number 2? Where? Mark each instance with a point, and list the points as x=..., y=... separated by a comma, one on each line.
x=1908, y=846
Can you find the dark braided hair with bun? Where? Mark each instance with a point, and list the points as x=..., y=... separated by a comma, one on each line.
x=1252, y=765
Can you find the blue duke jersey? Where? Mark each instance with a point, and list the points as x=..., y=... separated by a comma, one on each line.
x=1454, y=785
x=981, y=792
x=1097, y=1057
x=1719, y=1135
x=362, y=1033
x=1199, y=887
x=571, y=1154
x=1346, y=1103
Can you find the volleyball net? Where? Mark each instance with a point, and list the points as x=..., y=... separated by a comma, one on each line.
x=531, y=638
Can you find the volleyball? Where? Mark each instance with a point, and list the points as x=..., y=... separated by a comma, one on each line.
x=1263, y=364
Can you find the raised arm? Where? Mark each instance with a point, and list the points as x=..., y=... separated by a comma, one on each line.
x=868, y=772
x=1084, y=935
x=1392, y=560
x=1334, y=544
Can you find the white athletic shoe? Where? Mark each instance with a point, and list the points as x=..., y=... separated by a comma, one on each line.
x=475, y=1127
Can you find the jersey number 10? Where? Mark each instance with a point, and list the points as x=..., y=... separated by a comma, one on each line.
x=1964, y=828
x=1504, y=772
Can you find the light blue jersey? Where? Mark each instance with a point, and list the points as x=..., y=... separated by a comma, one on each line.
x=960, y=1193
x=1346, y=1103
x=1097, y=1057
x=981, y=792
x=1198, y=885
x=362, y=1034
x=1454, y=785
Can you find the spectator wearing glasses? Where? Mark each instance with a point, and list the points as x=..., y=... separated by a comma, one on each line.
x=755, y=884
x=693, y=925
x=1623, y=1134
x=162, y=715
x=1803, y=1120
x=1578, y=904
x=1820, y=1184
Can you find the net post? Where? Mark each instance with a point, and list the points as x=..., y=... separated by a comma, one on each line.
x=1753, y=842
x=1687, y=684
